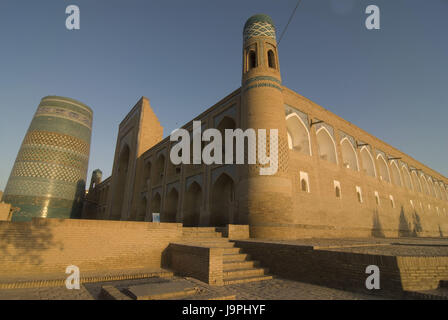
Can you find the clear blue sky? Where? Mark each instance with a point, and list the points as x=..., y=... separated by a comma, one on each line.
x=186, y=55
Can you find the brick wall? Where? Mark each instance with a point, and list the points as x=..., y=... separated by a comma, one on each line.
x=5, y=211
x=422, y=273
x=237, y=231
x=199, y=262
x=48, y=246
x=344, y=270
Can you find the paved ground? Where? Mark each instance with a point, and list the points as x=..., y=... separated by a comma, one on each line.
x=275, y=289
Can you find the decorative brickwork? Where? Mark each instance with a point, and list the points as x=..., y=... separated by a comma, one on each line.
x=49, y=174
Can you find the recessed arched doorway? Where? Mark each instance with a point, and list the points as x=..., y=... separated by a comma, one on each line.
x=156, y=204
x=171, y=202
x=192, y=205
x=222, y=201
x=123, y=166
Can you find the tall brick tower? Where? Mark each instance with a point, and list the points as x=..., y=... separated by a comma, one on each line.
x=267, y=203
x=49, y=174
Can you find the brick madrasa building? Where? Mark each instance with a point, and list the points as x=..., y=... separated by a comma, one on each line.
x=333, y=179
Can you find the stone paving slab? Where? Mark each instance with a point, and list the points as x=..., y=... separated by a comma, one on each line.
x=152, y=291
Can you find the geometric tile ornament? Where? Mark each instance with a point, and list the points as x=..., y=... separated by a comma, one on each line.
x=259, y=25
x=49, y=174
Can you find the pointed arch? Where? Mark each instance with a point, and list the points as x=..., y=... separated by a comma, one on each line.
x=439, y=191
x=383, y=168
x=222, y=201
x=156, y=204
x=271, y=59
x=368, y=164
x=122, y=173
x=159, y=169
x=171, y=205
x=226, y=122
x=432, y=189
x=252, y=59
x=298, y=134
x=146, y=175
x=142, y=210
x=417, y=183
x=326, y=145
x=407, y=178
x=444, y=191
x=395, y=173
x=424, y=184
x=349, y=156
x=192, y=205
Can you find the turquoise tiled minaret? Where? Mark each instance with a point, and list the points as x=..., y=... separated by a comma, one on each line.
x=49, y=174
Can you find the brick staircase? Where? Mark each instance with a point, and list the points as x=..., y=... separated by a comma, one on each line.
x=237, y=266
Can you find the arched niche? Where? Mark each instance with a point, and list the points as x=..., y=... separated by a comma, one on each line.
x=326, y=145
x=146, y=178
x=271, y=59
x=383, y=168
x=159, y=170
x=407, y=178
x=155, y=204
x=222, y=201
x=349, y=156
x=192, y=205
x=395, y=173
x=123, y=167
x=368, y=165
x=171, y=205
x=226, y=123
x=432, y=188
x=142, y=209
x=425, y=185
x=298, y=134
x=416, y=181
x=252, y=59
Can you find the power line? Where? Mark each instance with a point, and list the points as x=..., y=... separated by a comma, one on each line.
x=290, y=18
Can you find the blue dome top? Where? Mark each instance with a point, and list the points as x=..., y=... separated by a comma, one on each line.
x=259, y=25
x=259, y=18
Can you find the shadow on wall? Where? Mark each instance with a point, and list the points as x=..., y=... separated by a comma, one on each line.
x=440, y=232
x=79, y=200
x=408, y=229
x=404, y=226
x=23, y=243
x=417, y=224
x=377, y=229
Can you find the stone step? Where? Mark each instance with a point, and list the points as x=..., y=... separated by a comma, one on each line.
x=196, y=239
x=199, y=229
x=240, y=273
x=201, y=235
x=235, y=257
x=246, y=279
x=211, y=244
x=231, y=250
x=235, y=265
x=161, y=291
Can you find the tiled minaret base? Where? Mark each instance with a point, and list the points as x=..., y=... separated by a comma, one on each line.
x=49, y=174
